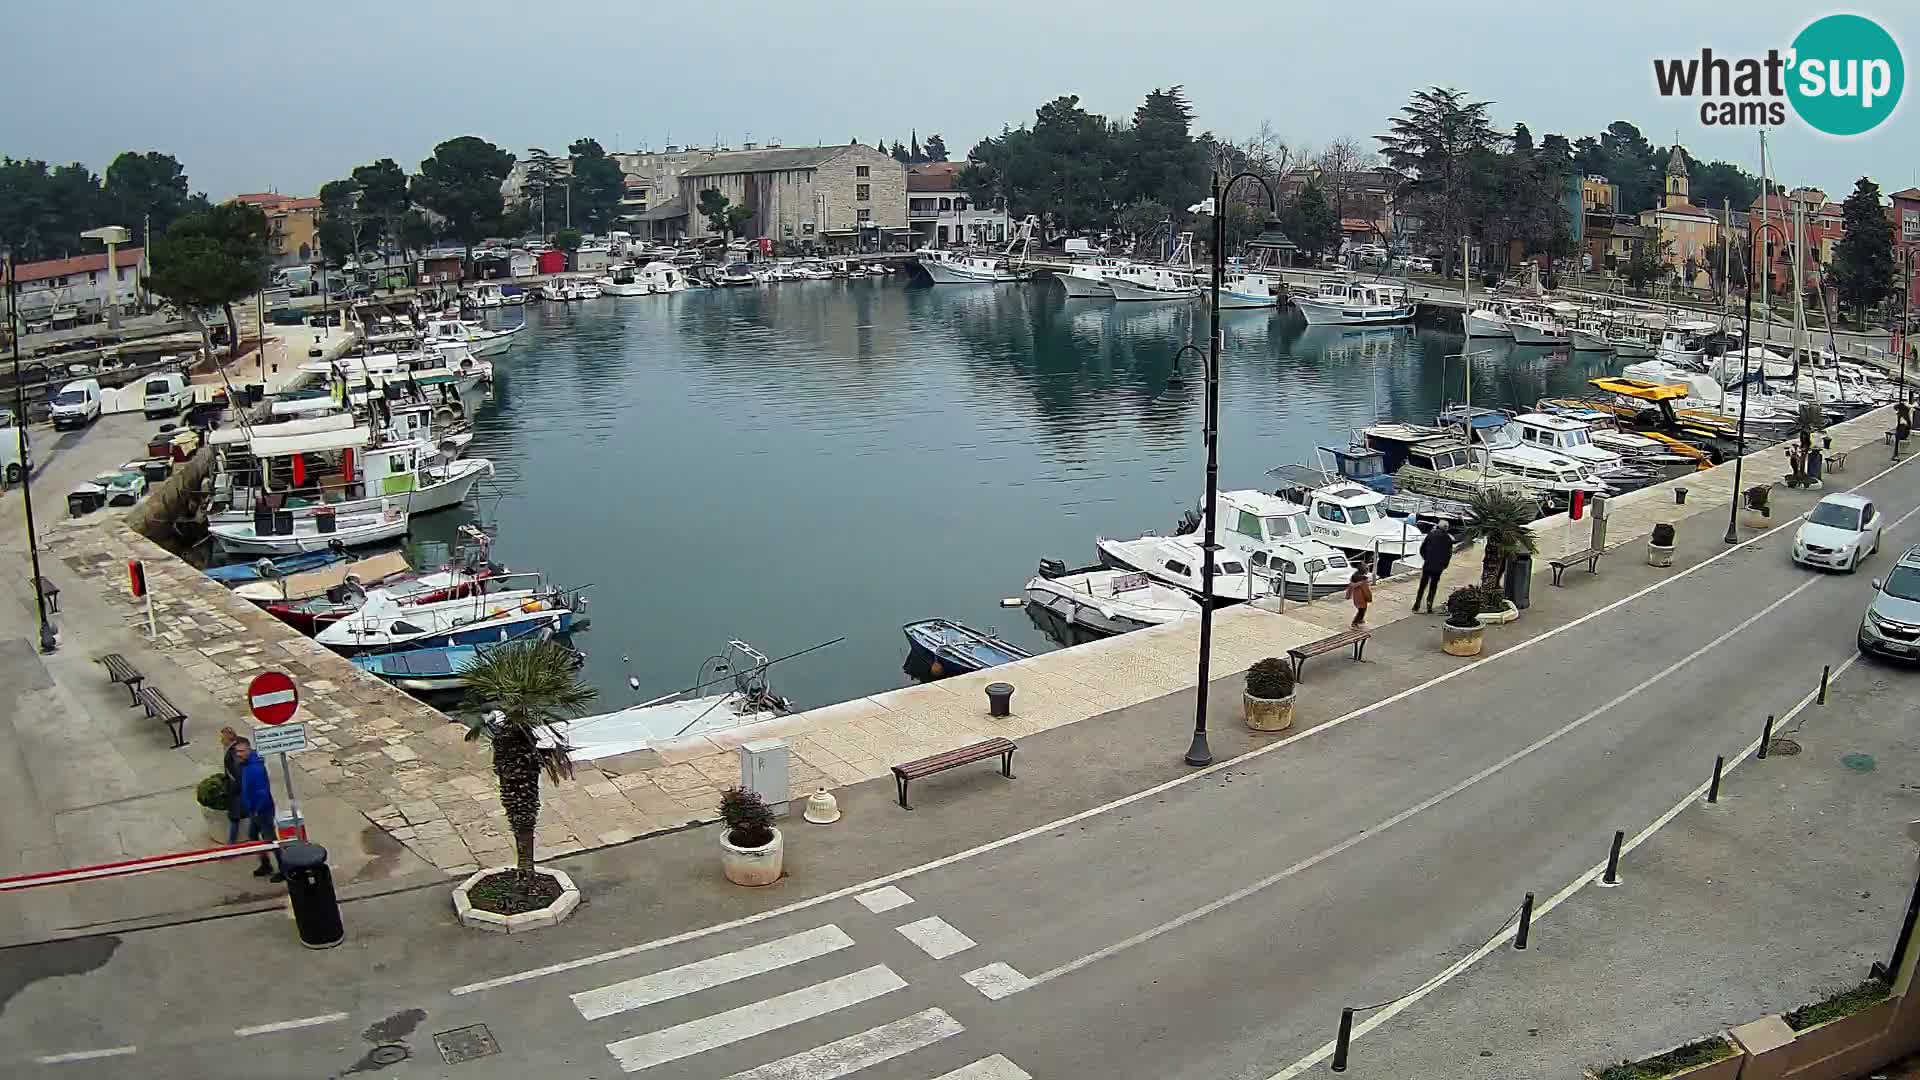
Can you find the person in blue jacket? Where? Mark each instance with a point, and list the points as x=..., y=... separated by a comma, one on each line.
x=256, y=798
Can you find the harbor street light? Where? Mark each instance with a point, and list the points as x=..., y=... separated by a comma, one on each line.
x=1900, y=406
x=1746, y=354
x=112, y=236
x=1198, y=753
x=48, y=640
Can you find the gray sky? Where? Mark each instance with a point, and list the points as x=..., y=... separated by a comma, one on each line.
x=252, y=97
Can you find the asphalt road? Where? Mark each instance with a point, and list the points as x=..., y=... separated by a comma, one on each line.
x=1212, y=929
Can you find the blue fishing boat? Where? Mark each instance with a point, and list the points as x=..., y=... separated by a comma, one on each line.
x=942, y=647
x=267, y=569
x=427, y=670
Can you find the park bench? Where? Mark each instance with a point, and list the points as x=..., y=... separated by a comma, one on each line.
x=953, y=759
x=1590, y=556
x=119, y=671
x=1300, y=654
x=159, y=708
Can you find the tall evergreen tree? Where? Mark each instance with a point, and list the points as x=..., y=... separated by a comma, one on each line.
x=936, y=148
x=1434, y=141
x=1863, y=260
x=598, y=186
x=461, y=183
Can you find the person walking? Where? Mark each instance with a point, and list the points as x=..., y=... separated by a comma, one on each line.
x=1436, y=551
x=1360, y=591
x=230, y=766
x=256, y=798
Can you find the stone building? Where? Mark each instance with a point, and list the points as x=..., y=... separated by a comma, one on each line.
x=839, y=198
x=1685, y=231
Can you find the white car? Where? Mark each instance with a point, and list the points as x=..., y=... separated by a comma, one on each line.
x=1840, y=532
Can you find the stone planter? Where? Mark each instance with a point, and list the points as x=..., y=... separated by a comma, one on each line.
x=1461, y=640
x=1268, y=714
x=1507, y=613
x=1755, y=519
x=551, y=915
x=752, y=866
x=1659, y=554
x=217, y=825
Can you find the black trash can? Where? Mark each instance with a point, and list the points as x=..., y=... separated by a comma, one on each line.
x=1519, y=581
x=316, y=911
x=1679, y=495
x=999, y=699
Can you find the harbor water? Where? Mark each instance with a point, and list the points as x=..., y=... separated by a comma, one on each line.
x=791, y=463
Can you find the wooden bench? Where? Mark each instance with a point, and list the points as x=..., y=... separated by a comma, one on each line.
x=1302, y=653
x=159, y=708
x=953, y=759
x=119, y=671
x=1590, y=556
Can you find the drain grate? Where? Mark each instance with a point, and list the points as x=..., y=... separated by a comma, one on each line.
x=466, y=1043
x=390, y=1054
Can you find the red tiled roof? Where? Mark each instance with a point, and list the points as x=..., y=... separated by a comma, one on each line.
x=1355, y=224
x=934, y=182
x=1910, y=193
x=78, y=264
x=259, y=198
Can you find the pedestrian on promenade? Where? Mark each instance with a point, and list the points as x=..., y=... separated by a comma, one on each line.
x=256, y=798
x=1436, y=551
x=1360, y=591
x=230, y=765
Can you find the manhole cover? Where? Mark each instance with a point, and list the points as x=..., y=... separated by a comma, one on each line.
x=465, y=1044
x=1783, y=747
x=1858, y=762
x=390, y=1054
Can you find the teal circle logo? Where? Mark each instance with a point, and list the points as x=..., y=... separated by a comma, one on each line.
x=1847, y=75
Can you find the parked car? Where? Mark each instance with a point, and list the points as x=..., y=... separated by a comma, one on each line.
x=1841, y=531
x=1891, y=625
x=14, y=464
x=164, y=394
x=77, y=404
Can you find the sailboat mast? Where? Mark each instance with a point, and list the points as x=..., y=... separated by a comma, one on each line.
x=1766, y=271
x=1466, y=351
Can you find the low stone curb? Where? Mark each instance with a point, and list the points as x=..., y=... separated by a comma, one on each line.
x=551, y=915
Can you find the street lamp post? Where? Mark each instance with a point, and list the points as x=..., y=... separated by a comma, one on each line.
x=1900, y=406
x=1198, y=753
x=48, y=641
x=1746, y=354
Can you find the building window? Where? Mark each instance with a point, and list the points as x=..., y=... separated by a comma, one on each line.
x=959, y=204
x=863, y=215
x=807, y=228
x=862, y=192
x=862, y=170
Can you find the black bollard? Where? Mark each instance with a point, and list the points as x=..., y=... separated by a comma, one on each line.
x=1526, y=922
x=1826, y=673
x=1766, y=736
x=1612, y=876
x=316, y=911
x=1713, y=789
x=1341, y=1040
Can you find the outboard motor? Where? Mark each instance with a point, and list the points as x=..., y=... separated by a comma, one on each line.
x=1052, y=568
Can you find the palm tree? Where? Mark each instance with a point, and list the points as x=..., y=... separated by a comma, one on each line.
x=1500, y=520
x=534, y=688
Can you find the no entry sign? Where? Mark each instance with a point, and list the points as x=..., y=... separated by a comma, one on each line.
x=272, y=697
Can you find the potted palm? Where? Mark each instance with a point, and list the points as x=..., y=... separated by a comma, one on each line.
x=213, y=797
x=1462, y=634
x=751, y=848
x=1500, y=519
x=1269, y=695
x=1660, y=545
x=1495, y=608
x=1756, y=511
x=533, y=689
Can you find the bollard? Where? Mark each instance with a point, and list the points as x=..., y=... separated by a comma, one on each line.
x=1679, y=495
x=1526, y=922
x=1612, y=876
x=999, y=699
x=1826, y=673
x=1713, y=789
x=1766, y=736
x=316, y=911
x=1341, y=1040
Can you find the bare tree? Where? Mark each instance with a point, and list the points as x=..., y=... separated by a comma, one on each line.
x=1341, y=165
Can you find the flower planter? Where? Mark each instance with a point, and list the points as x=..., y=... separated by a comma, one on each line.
x=1755, y=519
x=553, y=914
x=1268, y=714
x=1659, y=554
x=1461, y=640
x=1507, y=613
x=217, y=824
x=751, y=866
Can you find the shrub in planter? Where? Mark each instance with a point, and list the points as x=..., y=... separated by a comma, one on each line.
x=1840, y=1005
x=1268, y=701
x=751, y=850
x=1663, y=534
x=211, y=793
x=1462, y=634
x=1660, y=545
x=1674, y=1062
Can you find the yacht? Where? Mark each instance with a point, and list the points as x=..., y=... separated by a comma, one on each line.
x=663, y=277
x=1178, y=562
x=1273, y=534
x=1106, y=602
x=1088, y=280
x=1355, y=303
x=624, y=282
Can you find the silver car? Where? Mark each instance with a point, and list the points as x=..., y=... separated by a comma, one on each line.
x=1891, y=625
x=1841, y=531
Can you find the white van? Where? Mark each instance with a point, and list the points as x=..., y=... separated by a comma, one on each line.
x=12, y=465
x=299, y=279
x=77, y=404
x=1082, y=246
x=165, y=394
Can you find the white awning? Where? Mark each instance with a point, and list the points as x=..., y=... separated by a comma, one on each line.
x=314, y=443
x=304, y=406
x=233, y=436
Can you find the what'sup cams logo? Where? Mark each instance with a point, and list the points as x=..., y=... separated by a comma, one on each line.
x=1843, y=76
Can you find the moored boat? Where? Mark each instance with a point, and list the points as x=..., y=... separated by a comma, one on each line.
x=1104, y=601
x=938, y=648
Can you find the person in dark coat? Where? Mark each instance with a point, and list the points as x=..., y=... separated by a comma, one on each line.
x=230, y=765
x=1436, y=551
x=256, y=798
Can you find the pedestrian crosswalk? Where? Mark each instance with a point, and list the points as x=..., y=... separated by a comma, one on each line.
x=803, y=954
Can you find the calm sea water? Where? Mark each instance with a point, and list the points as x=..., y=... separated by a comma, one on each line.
x=797, y=462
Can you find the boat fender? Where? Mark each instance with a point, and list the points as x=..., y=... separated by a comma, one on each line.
x=533, y=606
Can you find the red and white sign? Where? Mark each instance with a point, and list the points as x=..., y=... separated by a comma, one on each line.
x=272, y=697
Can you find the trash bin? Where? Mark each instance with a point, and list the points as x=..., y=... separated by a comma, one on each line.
x=999, y=699
x=1813, y=463
x=316, y=911
x=1679, y=495
x=1519, y=581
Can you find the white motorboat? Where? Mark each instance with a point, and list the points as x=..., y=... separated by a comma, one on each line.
x=487, y=295
x=478, y=340
x=811, y=271
x=361, y=479
x=481, y=619
x=1088, y=280
x=947, y=266
x=1352, y=517
x=315, y=532
x=1487, y=320
x=1535, y=325
x=1589, y=333
x=1356, y=303
x=1173, y=280
x=623, y=282
x=1565, y=437
x=1685, y=344
x=1249, y=289
x=663, y=277
x=694, y=711
x=1274, y=536
x=1634, y=336
x=586, y=288
x=734, y=275
x=1106, y=601
x=559, y=289
x=1178, y=562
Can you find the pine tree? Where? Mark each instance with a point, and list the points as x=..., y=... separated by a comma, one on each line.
x=1863, y=260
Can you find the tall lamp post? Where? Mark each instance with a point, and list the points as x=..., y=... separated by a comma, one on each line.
x=1198, y=753
x=1900, y=406
x=1746, y=354
x=48, y=641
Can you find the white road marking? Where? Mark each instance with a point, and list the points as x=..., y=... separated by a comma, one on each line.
x=997, y=981
x=1540, y=911
x=1182, y=780
x=884, y=899
x=713, y=971
x=757, y=1018
x=289, y=1025
x=936, y=937
x=85, y=1055
x=988, y=1068
x=843, y=1057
